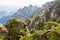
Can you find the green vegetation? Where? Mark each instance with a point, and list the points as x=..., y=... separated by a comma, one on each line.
x=41, y=27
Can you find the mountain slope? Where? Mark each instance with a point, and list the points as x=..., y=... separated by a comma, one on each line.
x=3, y=13
x=27, y=11
x=4, y=19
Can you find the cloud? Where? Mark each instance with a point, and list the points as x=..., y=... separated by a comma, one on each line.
x=21, y=3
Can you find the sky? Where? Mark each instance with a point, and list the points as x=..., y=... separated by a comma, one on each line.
x=22, y=3
x=12, y=5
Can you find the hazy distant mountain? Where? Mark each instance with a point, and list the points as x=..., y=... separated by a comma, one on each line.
x=27, y=11
x=3, y=13
x=6, y=10
x=4, y=19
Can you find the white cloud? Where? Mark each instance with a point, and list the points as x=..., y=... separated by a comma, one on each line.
x=21, y=3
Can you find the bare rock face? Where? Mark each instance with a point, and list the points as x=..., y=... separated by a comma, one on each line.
x=55, y=11
x=2, y=29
